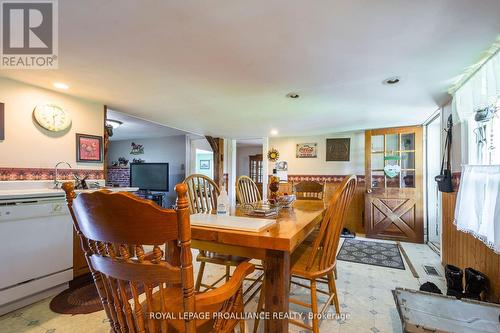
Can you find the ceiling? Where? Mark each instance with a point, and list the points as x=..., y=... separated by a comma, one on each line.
x=249, y=143
x=224, y=68
x=136, y=128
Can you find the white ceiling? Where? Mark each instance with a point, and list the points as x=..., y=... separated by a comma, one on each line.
x=249, y=143
x=223, y=68
x=136, y=128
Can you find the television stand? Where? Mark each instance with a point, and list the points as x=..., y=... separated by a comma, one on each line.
x=157, y=198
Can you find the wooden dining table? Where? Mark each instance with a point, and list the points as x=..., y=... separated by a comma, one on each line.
x=273, y=245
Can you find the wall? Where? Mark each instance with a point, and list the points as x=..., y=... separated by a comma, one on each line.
x=319, y=165
x=170, y=150
x=331, y=173
x=27, y=145
x=242, y=159
x=201, y=144
x=459, y=248
x=463, y=250
x=205, y=156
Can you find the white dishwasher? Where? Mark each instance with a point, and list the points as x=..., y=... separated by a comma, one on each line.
x=36, y=249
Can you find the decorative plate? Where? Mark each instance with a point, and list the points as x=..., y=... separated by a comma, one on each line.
x=273, y=155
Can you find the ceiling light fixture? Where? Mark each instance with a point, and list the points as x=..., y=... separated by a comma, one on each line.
x=392, y=80
x=113, y=123
x=292, y=95
x=60, y=85
x=274, y=132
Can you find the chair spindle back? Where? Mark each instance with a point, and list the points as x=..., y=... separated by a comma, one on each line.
x=202, y=193
x=247, y=191
x=114, y=228
x=327, y=241
x=309, y=190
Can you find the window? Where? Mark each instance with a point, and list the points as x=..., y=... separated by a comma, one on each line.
x=477, y=103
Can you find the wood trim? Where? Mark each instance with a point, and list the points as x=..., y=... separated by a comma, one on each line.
x=463, y=250
x=217, y=145
x=105, y=145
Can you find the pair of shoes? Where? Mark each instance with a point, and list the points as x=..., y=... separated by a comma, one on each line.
x=346, y=233
x=475, y=282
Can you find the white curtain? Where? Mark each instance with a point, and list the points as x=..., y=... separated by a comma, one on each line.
x=478, y=204
x=480, y=90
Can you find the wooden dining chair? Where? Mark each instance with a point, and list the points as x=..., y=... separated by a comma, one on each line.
x=309, y=190
x=317, y=261
x=247, y=191
x=202, y=193
x=114, y=229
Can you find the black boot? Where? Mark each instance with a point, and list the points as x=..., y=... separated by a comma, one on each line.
x=454, y=278
x=475, y=283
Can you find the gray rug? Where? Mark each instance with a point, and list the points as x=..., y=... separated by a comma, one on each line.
x=371, y=253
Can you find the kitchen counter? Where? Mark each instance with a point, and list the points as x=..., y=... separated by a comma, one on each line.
x=14, y=190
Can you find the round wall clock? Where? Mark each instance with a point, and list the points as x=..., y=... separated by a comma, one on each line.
x=52, y=117
x=273, y=155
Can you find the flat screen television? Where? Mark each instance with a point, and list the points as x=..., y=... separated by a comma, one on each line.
x=149, y=176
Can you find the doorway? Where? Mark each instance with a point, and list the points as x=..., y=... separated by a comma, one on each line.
x=433, y=167
x=249, y=160
x=394, y=184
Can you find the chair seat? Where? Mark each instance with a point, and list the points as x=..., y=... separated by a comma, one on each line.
x=220, y=259
x=173, y=307
x=300, y=259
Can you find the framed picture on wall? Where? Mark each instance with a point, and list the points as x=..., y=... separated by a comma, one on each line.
x=88, y=148
x=338, y=149
x=204, y=164
x=306, y=150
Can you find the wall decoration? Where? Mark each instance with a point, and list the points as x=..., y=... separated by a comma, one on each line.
x=273, y=155
x=338, y=149
x=136, y=149
x=88, y=148
x=307, y=150
x=282, y=170
x=204, y=164
x=122, y=162
x=2, y=121
x=392, y=170
x=52, y=117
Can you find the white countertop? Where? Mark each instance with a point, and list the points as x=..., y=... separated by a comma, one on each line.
x=18, y=192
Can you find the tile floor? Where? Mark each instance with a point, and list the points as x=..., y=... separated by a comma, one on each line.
x=364, y=293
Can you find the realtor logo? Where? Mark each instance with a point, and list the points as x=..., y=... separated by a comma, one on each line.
x=29, y=34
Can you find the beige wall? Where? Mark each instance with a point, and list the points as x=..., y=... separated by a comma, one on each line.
x=26, y=144
x=243, y=160
x=319, y=165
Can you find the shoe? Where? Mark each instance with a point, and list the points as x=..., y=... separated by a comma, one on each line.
x=454, y=281
x=430, y=288
x=475, y=283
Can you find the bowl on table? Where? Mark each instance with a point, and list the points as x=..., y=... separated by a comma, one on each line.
x=287, y=200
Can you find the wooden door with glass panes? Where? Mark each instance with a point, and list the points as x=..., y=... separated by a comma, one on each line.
x=255, y=169
x=394, y=183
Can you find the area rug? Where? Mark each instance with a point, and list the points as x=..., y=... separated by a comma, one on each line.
x=371, y=253
x=80, y=298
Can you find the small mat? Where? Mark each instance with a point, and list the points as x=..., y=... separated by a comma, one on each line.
x=371, y=253
x=80, y=298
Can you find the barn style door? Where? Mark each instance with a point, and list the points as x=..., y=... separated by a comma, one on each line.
x=394, y=183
